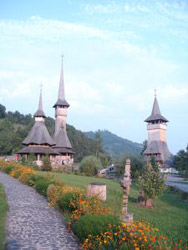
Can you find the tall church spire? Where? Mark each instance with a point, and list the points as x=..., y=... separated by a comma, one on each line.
x=61, y=93
x=40, y=112
x=156, y=113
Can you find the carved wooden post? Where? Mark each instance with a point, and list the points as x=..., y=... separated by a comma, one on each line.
x=125, y=184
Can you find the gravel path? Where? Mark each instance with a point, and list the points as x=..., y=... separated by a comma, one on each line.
x=31, y=223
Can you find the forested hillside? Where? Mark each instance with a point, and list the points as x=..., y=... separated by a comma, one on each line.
x=14, y=127
x=116, y=146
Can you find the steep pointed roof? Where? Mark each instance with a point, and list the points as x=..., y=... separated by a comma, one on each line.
x=156, y=113
x=38, y=150
x=38, y=135
x=40, y=112
x=61, y=93
x=160, y=148
x=61, y=139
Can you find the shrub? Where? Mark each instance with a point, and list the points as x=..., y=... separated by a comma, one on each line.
x=137, y=235
x=90, y=165
x=66, y=200
x=25, y=175
x=85, y=207
x=42, y=185
x=46, y=166
x=137, y=165
x=55, y=192
x=93, y=224
x=184, y=196
x=16, y=171
x=33, y=179
x=9, y=169
x=151, y=183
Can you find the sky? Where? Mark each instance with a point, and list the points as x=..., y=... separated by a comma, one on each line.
x=115, y=54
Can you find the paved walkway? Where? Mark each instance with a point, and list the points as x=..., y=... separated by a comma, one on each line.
x=176, y=182
x=31, y=223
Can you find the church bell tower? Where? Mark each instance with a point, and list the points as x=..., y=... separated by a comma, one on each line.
x=157, y=137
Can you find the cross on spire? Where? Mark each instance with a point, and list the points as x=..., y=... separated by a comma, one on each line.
x=41, y=86
x=155, y=92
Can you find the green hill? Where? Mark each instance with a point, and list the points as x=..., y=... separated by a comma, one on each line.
x=116, y=146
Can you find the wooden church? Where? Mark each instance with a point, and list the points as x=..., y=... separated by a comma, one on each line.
x=39, y=142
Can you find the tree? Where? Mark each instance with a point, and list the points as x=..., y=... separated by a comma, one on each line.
x=151, y=183
x=2, y=111
x=46, y=166
x=99, y=143
x=181, y=161
x=90, y=165
x=137, y=165
x=144, y=146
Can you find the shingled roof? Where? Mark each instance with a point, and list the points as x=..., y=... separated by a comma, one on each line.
x=40, y=112
x=38, y=150
x=61, y=94
x=39, y=135
x=156, y=113
x=161, y=148
x=62, y=143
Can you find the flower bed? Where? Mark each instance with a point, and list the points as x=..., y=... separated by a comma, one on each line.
x=101, y=228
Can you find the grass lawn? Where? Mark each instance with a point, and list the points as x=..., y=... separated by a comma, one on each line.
x=170, y=213
x=3, y=210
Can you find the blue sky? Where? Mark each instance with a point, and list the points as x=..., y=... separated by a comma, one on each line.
x=116, y=54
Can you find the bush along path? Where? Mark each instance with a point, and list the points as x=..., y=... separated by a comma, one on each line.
x=31, y=223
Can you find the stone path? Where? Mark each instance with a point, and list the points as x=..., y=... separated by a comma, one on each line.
x=31, y=223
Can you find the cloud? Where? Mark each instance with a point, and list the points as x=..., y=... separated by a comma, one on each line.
x=102, y=9
x=42, y=29
x=134, y=8
x=173, y=93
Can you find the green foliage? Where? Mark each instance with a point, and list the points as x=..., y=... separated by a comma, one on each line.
x=8, y=169
x=105, y=159
x=42, y=185
x=33, y=179
x=151, y=182
x=184, y=196
x=2, y=111
x=93, y=224
x=137, y=166
x=65, y=200
x=144, y=146
x=46, y=164
x=98, y=143
x=3, y=211
x=90, y=165
x=82, y=145
x=181, y=161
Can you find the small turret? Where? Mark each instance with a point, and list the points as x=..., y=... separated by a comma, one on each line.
x=39, y=114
